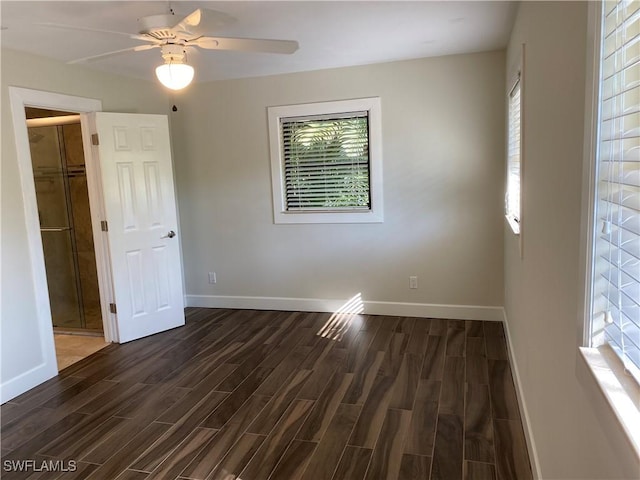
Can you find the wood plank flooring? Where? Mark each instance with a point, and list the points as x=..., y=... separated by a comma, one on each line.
x=266, y=395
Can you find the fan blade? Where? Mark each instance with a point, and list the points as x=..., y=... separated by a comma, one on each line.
x=202, y=21
x=144, y=38
x=246, y=44
x=92, y=58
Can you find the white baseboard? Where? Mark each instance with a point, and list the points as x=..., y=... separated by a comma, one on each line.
x=26, y=381
x=426, y=310
x=431, y=310
x=528, y=432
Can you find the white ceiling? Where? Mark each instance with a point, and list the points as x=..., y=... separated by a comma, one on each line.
x=330, y=33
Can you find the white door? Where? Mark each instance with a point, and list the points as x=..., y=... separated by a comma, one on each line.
x=134, y=154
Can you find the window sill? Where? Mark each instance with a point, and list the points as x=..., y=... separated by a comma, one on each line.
x=364, y=216
x=620, y=390
x=515, y=226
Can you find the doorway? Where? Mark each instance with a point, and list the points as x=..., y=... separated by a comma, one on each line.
x=62, y=195
x=41, y=347
x=134, y=219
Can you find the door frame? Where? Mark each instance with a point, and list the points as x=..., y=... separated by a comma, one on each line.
x=19, y=99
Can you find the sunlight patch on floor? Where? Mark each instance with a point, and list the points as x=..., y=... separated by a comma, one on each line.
x=343, y=318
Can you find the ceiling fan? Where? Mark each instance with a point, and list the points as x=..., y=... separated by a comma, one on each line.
x=174, y=39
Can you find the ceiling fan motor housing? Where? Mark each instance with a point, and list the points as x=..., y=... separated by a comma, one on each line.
x=158, y=26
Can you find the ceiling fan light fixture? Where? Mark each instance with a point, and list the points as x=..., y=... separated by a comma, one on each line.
x=174, y=74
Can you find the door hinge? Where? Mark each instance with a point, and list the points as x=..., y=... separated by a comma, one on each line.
x=94, y=139
x=104, y=226
x=112, y=308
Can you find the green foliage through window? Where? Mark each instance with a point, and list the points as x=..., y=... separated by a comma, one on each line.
x=326, y=163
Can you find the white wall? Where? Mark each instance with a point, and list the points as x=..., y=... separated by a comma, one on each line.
x=20, y=342
x=574, y=432
x=443, y=144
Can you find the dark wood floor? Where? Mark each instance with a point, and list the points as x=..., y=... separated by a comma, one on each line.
x=252, y=395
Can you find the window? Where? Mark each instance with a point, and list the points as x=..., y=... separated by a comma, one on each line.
x=512, y=201
x=326, y=162
x=615, y=303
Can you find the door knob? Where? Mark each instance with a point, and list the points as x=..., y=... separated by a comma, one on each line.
x=171, y=234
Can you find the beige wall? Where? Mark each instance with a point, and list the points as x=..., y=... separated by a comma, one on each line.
x=574, y=432
x=18, y=323
x=443, y=145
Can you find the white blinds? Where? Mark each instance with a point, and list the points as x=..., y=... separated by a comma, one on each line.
x=326, y=162
x=513, y=159
x=616, y=302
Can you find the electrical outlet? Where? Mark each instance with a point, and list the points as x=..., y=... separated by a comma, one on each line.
x=212, y=277
x=413, y=282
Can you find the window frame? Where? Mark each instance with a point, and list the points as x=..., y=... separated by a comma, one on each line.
x=593, y=157
x=275, y=115
x=600, y=371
